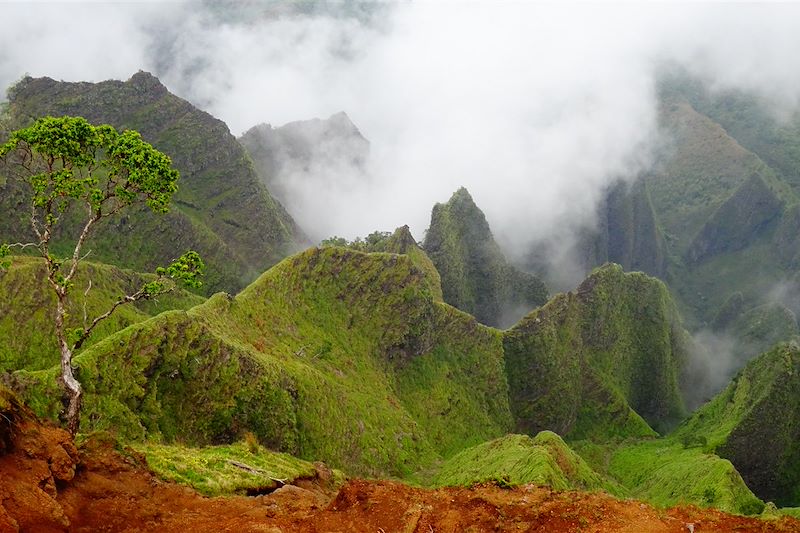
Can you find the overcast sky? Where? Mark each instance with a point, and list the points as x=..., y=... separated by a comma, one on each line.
x=535, y=108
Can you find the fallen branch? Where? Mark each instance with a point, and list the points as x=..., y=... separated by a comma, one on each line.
x=253, y=470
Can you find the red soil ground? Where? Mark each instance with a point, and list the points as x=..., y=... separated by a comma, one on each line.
x=47, y=485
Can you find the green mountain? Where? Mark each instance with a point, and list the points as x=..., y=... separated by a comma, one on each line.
x=399, y=242
x=27, y=306
x=352, y=358
x=755, y=423
x=331, y=355
x=700, y=168
x=221, y=209
x=729, y=215
x=402, y=242
x=604, y=361
x=666, y=472
x=476, y=277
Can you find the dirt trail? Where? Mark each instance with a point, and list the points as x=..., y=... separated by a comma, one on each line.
x=47, y=485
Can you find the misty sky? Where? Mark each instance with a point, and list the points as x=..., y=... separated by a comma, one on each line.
x=535, y=108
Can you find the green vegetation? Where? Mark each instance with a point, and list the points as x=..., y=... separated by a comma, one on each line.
x=755, y=423
x=790, y=511
x=68, y=164
x=224, y=470
x=475, y=275
x=325, y=356
x=703, y=168
x=726, y=198
x=604, y=361
x=25, y=299
x=627, y=233
x=517, y=460
x=221, y=210
x=399, y=242
x=667, y=473
x=739, y=221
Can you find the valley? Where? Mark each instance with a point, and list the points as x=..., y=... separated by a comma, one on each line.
x=636, y=368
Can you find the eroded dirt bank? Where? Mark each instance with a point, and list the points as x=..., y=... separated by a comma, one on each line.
x=46, y=484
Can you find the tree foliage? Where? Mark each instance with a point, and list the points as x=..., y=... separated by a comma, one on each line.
x=70, y=164
x=374, y=242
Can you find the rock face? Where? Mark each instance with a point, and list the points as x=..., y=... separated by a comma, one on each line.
x=604, y=361
x=221, y=209
x=476, y=277
x=32, y=455
x=627, y=233
x=755, y=423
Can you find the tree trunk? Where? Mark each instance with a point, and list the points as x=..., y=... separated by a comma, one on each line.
x=73, y=388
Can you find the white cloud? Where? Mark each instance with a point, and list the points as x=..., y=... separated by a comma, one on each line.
x=533, y=107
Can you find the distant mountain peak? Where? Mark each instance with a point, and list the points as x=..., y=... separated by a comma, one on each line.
x=145, y=81
x=476, y=277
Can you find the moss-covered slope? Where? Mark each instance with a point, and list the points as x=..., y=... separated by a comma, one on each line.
x=666, y=472
x=332, y=354
x=224, y=470
x=755, y=423
x=519, y=459
x=27, y=305
x=603, y=361
x=221, y=209
x=476, y=277
x=700, y=168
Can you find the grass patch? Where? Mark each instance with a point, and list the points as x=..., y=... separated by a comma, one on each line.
x=225, y=470
x=517, y=460
x=665, y=473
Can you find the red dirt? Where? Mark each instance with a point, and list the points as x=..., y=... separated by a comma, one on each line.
x=46, y=485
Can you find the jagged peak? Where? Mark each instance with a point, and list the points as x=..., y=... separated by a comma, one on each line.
x=147, y=82
x=461, y=195
x=403, y=239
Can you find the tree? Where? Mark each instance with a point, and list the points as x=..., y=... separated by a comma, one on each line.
x=70, y=164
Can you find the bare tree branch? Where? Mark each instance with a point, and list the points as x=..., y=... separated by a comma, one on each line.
x=84, y=234
x=85, y=297
x=22, y=245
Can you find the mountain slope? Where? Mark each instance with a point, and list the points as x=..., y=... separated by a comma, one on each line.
x=518, y=460
x=628, y=232
x=221, y=209
x=739, y=221
x=476, y=277
x=606, y=360
x=27, y=305
x=332, y=354
x=755, y=423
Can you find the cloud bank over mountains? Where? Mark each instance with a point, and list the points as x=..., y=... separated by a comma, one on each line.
x=535, y=108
